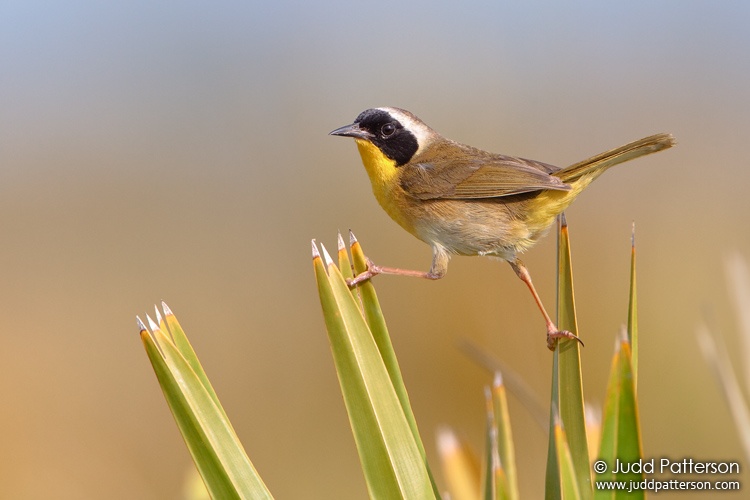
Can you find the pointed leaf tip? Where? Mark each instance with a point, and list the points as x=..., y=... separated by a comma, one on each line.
x=341, y=242
x=624, y=334
x=141, y=326
x=326, y=256
x=447, y=442
x=151, y=324
x=166, y=309
x=620, y=339
x=158, y=314
x=498, y=380
x=563, y=220
x=592, y=414
x=487, y=393
x=315, y=252
x=632, y=236
x=352, y=238
x=558, y=419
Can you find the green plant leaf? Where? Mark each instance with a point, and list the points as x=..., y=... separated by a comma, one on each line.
x=345, y=265
x=621, y=438
x=219, y=456
x=567, y=469
x=567, y=385
x=608, y=437
x=504, y=452
x=494, y=483
x=460, y=466
x=513, y=381
x=552, y=480
x=376, y=322
x=168, y=323
x=633, y=312
x=502, y=488
x=393, y=465
x=491, y=457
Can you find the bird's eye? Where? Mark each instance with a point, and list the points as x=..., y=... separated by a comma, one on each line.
x=388, y=129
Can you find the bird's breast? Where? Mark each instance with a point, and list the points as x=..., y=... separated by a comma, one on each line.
x=383, y=174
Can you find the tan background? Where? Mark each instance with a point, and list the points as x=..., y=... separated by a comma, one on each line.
x=180, y=153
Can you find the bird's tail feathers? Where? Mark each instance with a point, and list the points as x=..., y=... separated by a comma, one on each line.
x=599, y=163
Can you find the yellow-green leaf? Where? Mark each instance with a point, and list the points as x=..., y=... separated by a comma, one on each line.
x=621, y=438
x=376, y=321
x=392, y=462
x=633, y=312
x=219, y=456
x=460, y=466
x=567, y=385
x=568, y=475
x=504, y=440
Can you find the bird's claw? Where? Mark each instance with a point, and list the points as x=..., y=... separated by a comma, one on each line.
x=554, y=335
x=371, y=271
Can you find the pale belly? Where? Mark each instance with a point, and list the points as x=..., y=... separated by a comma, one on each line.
x=497, y=227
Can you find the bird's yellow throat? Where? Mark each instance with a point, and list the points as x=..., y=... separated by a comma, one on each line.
x=380, y=168
x=382, y=172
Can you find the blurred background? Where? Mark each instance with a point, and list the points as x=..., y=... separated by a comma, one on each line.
x=179, y=151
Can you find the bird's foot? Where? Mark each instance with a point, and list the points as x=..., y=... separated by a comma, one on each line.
x=553, y=335
x=371, y=271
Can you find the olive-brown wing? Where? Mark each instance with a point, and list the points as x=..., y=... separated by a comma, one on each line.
x=474, y=174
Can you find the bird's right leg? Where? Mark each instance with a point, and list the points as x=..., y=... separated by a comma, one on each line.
x=438, y=269
x=553, y=333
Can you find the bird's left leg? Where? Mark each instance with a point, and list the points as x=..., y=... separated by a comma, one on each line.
x=553, y=333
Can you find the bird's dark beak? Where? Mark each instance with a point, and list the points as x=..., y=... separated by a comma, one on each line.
x=352, y=130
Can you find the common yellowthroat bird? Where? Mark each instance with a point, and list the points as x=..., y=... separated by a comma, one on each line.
x=465, y=201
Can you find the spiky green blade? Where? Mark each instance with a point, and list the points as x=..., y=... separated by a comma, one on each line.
x=460, y=466
x=502, y=488
x=621, y=437
x=633, y=312
x=552, y=481
x=513, y=382
x=392, y=462
x=376, y=321
x=491, y=457
x=495, y=482
x=506, y=454
x=568, y=475
x=219, y=456
x=608, y=438
x=567, y=384
x=345, y=265
x=181, y=342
